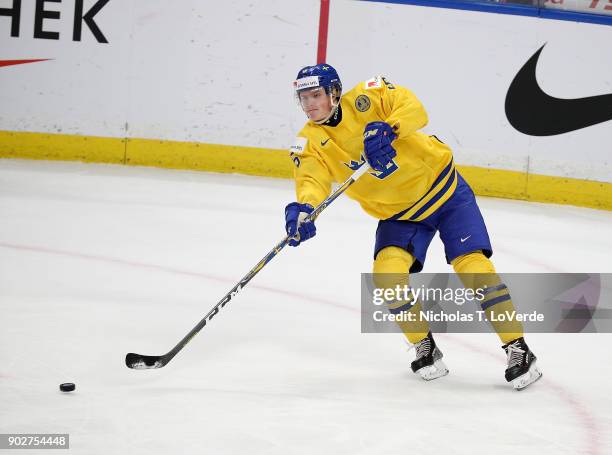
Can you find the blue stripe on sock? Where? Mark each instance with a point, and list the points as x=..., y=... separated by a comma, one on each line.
x=398, y=310
x=495, y=301
x=499, y=287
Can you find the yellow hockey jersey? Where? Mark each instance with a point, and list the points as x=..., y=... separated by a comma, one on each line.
x=419, y=180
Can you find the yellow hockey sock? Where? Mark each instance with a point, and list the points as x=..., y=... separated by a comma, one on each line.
x=476, y=271
x=391, y=269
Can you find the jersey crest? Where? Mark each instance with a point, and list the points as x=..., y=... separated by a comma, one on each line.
x=390, y=169
x=354, y=165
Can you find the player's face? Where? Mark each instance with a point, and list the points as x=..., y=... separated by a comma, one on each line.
x=316, y=103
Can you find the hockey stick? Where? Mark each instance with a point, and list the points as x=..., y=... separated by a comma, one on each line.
x=143, y=362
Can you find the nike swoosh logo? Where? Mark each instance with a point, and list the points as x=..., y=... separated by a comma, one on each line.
x=325, y=142
x=21, y=62
x=464, y=239
x=532, y=111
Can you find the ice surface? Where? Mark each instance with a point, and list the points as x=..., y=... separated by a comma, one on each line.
x=97, y=261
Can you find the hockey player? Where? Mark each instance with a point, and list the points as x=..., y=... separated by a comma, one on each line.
x=413, y=189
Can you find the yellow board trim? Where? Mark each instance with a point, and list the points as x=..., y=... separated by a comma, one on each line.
x=538, y=188
x=209, y=157
x=65, y=147
x=276, y=163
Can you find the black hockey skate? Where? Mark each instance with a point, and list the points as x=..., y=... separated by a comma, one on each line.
x=428, y=363
x=522, y=369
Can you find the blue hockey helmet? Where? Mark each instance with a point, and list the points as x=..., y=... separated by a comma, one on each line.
x=321, y=75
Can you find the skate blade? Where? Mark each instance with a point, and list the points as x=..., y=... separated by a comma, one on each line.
x=435, y=371
x=528, y=378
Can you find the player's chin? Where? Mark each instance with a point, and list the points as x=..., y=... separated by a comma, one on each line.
x=315, y=116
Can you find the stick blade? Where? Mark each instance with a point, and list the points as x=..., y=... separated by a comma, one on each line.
x=143, y=362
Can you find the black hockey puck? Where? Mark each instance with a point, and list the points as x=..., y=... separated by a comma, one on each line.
x=67, y=387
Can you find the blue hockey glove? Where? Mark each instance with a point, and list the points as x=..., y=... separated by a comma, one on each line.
x=295, y=225
x=377, y=138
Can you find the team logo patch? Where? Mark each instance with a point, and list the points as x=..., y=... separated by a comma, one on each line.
x=362, y=103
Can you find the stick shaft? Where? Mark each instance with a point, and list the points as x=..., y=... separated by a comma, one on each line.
x=260, y=265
